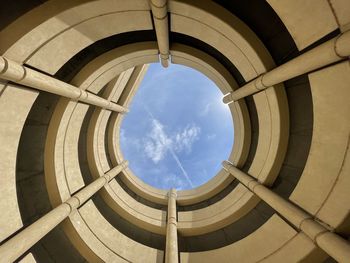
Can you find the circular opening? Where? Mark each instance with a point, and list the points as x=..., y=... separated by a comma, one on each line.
x=178, y=131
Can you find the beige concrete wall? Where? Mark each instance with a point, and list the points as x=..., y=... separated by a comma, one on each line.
x=307, y=21
x=15, y=104
x=49, y=35
x=328, y=158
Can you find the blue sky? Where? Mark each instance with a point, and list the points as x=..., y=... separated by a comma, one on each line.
x=178, y=131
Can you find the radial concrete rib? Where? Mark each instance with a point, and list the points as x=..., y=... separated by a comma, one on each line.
x=13, y=71
x=25, y=239
x=323, y=55
x=161, y=25
x=334, y=245
x=171, y=250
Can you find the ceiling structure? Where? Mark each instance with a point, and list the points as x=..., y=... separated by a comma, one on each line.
x=68, y=72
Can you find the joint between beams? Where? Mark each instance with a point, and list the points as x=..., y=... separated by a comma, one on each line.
x=258, y=83
x=320, y=234
x=228, y=99
x=335, y=45
x=303, y=221
x=24, y=74
x=124, y=165
x=72, y=207
x=84, y=96
x=110, y=105
x=250, y=182
x=15, y=77
x=6, y=65
x=160, y=18
x=81, y=94
x=172, y=223
x=156, y=6
x=164, y=55
x=107, y=178
x=255, y=186
x=172, y=195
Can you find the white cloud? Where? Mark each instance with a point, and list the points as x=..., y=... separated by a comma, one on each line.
x=184, y=140
x=158, y=143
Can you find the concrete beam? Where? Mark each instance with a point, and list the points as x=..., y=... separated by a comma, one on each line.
x=13, y=71
x=323, y=55
x=161, y=26
x=11, y=250
x=334, y=245
x=171, y=249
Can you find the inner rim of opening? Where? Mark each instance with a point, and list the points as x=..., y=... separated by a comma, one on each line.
x=178, y=130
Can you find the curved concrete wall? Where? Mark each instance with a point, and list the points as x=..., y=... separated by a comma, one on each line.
x=291, y=136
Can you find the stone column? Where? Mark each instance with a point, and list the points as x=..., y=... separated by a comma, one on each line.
x=160, y=19
x=13, y=71
x=25, y=239
x=327, y=53
x=334, y=245
x=171, y=249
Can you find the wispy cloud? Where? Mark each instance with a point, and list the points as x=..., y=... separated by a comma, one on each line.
x=169, y=149
x=185, y=139
x=158, y=143
x=181, y=167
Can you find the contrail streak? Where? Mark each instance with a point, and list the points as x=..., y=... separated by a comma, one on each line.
x=173, y=154
x=181, y=167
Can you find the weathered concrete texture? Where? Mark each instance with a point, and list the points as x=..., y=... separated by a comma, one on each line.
x=282, y=65
x=306, y=28
x=32, y=193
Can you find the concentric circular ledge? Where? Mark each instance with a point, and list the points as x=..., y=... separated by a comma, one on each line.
x=272, y=112
x=101, y=67
x=210, y=68
x=205, y=228
x=94, y=156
